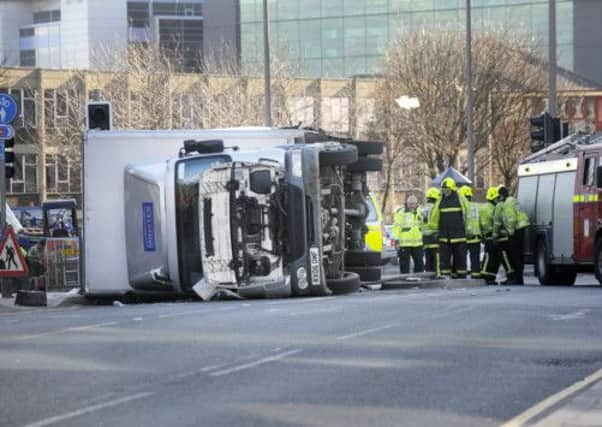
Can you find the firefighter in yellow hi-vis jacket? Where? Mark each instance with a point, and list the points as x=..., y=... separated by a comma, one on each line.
x=407, y=230
x=429, y=237
x=473, y=233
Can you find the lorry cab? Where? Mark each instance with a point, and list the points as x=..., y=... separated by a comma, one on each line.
x=560, y=188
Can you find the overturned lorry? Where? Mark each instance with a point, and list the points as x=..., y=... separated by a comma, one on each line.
x=258, y=212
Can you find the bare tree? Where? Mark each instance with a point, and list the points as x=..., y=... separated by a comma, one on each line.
x=429, y=65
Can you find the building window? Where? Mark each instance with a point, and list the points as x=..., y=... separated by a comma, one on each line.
x=26, y=174
x=46, y=16
x=63, y=175
x=57, y=106
x=26, y=107
x=27, y=58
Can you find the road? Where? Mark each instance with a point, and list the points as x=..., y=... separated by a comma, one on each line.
x=464, y=357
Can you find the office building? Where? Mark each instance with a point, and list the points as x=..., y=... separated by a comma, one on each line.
x=337, y=38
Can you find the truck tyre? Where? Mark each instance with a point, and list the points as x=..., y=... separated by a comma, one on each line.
x=368, y=148
x=345, y=155
x=543, y=270
x=350, y=282
x=367, y=274
x=31, y=298
x=366, y=164
x=359, y=258
x=598, y=260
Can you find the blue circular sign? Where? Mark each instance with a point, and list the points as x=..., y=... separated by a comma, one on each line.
x=8, y=109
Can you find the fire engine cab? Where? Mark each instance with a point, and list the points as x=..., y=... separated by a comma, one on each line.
x=560, y=188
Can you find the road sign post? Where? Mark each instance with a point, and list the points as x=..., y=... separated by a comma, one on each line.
x=8, y=112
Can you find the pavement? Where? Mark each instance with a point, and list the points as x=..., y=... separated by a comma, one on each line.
x=479, y=356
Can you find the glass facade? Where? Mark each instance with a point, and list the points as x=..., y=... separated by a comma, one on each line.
x=339, y=38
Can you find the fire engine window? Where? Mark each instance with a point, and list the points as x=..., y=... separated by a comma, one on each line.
x=589, y=171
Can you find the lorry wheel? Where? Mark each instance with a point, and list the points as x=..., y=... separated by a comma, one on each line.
x=359, y=258
x=345, y=155
x=350, y=282
x=367, y=148
x=31, y=298
x=366, y=164
x=367, y=274
x=598, y=260
x=543, y=270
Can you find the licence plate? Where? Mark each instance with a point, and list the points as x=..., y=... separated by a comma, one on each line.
x=314, y=264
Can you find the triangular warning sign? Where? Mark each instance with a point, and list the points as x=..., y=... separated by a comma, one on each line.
x=12, y=263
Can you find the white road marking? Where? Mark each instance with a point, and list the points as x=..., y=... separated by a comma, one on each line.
x=570, y=316
x=299, y=300
x=185, y=313
x=365, y=332
x=254, y=364
x=544, y=405
x=137, y=319
x=62, y=331
x=87, y=410
x=212, y=367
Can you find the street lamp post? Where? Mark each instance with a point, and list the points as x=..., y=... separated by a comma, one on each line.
x=552, y=58
x=469, y=99
x=267, y=77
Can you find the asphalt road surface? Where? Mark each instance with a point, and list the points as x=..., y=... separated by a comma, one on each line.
x=464, y=357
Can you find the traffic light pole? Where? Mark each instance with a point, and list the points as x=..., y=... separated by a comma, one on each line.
x=552, y=58
x=469, y=100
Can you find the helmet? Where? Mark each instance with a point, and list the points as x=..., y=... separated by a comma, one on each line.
x=502, y=191
x=449, y=183
x=433, y=193
x=466, y=191
x=492, y=193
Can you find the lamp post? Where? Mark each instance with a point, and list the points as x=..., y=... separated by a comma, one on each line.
x=267, y=77
x=469, y=99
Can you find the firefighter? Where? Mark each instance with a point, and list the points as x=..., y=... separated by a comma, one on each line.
x=504, y=226
x=407, y=230
x=491, y=260
x=517, y=241
x=473, y=233
x=429, y=236
x=448, y=218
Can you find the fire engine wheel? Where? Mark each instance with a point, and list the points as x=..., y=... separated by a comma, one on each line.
x=345, y=155
x=350, y=282
x=598, y=260
x=549, y=275
x=367, y=274
x=359, y=258
x=367, y=148
x=366, y=164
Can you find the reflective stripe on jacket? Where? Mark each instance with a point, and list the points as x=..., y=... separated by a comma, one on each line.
x=407, y=228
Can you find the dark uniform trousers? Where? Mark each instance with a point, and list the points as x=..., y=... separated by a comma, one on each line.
x=431, y=253
x=474, y=250
x=453, y=258
x=516, y=243
x=496, y=253
x=416, y=253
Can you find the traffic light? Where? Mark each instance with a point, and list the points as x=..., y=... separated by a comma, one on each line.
x=541, y=131
x=546, y=130
x=98, y=115
x=9, y=158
